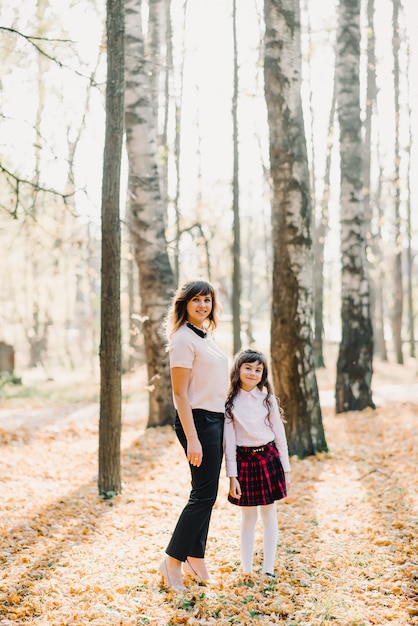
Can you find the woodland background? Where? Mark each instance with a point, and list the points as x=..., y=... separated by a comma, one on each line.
x=348, y=543
x=52, y=122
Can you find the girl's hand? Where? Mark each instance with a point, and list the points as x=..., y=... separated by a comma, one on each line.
x=288, y=481
x=194, y=452
x=234, y=487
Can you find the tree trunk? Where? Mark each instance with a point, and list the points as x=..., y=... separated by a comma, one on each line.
x=291, y=350
x=130, y=276
x=355, y=359
x=397, y=311
x=155, y=55
x=178, y=106
x=371, y=93
x=409, y=234
x=379, y=291
x=110, y=341
x=236, y=245
x=158, y=50
x=320, y=234
x=146, y=219
x=373, y=234
x=38, y=333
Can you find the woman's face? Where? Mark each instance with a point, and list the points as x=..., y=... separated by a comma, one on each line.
x=198, y=309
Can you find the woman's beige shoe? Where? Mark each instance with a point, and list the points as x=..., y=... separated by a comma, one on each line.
x=190, y=571
x=166, y=578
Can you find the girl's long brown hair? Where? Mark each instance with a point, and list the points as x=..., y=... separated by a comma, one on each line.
x=248, y=356
x=177, y=313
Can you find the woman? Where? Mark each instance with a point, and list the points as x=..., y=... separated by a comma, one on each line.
x=199, y=376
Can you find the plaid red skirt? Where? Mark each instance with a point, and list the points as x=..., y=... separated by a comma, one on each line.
x=260, y=475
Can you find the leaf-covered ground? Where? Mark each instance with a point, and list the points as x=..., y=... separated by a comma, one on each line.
x=348, y=539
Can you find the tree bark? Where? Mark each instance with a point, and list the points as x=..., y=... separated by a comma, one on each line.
x=109, y=482
x=355, y=359
x=236, y=245
x=291, y=350
x=155, y=54
x=373, y=226
x=146, y=219
x=320, y=235
x=379, y=293
x=397, y=311
x=409, y=231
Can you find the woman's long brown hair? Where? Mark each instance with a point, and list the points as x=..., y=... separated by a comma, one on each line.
x=177, y=314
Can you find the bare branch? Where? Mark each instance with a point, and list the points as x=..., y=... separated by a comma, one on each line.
x=31, y=39
x=376, y=469
x=16, y=183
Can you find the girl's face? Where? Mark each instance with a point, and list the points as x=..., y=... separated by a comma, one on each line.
x=250, y=375
x=198, y=309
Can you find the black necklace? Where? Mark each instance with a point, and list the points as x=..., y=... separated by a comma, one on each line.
x=195, y=329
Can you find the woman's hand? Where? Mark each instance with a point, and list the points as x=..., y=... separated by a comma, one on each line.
x=287, y=478
x=234, y=487
x=180, y=377
x=194, y=452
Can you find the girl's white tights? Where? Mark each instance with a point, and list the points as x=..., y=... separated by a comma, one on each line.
x=270, y=536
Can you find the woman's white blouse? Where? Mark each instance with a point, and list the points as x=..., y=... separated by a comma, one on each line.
x=250, y=427
x=208, y=383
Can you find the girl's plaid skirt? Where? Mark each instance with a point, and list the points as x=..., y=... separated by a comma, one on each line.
x=260, y=475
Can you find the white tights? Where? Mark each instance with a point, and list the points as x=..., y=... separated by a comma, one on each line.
x=270, y=536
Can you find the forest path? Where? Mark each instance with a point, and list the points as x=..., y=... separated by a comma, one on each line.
x=382, y=394
x=348, y=532
x=37, y=418
x=52, y=418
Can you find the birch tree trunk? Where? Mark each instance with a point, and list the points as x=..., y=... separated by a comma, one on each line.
x=320, y=235
x=38, y=331
x=178, y=106
x=158, y=53
x=409, y=231
x=355, y=359
x=146, y=218
x=155, y=54
x=109, y=481
x=378, y=249
x=291, y=349
x=236, y=246
x=373, y=226
x=319, y=215
x=397, y=311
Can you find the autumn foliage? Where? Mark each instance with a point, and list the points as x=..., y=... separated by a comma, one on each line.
x=348, y=539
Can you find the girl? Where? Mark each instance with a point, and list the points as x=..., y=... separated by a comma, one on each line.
x=199, y=376
x=257, y=459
